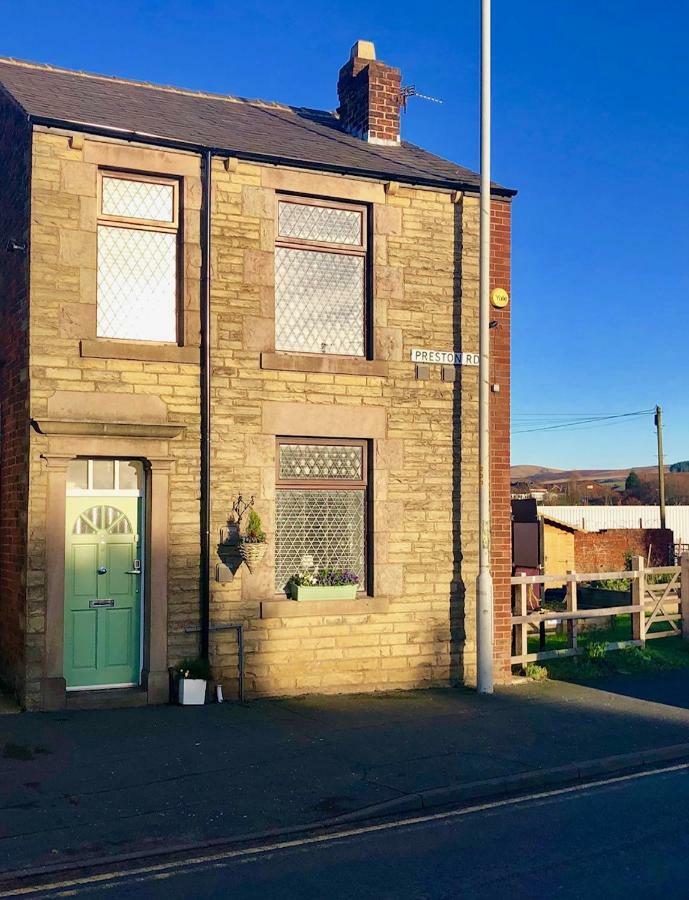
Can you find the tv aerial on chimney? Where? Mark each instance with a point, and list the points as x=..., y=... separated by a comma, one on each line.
x=410, y=91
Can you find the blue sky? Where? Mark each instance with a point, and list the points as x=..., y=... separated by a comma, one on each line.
x=590, y=124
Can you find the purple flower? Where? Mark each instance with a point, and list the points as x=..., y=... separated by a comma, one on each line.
x=335, y=577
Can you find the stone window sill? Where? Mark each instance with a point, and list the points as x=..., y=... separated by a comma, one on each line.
x=328, y=365
x=287, y=609
x=101, y=348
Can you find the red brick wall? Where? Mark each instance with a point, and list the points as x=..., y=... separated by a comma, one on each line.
x=369, y=93
x=501, y=512
x=14, y=422
x=600, y=551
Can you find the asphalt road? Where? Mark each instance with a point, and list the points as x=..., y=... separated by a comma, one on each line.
x=628, y=838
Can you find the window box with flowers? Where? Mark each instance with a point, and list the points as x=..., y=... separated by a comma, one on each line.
x=326, y=584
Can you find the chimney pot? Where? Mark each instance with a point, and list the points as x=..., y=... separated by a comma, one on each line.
x=363, y=50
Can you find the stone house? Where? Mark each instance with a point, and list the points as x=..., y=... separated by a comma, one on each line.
x=204, y=297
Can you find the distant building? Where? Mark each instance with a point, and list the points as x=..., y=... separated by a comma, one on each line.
x=523, y=490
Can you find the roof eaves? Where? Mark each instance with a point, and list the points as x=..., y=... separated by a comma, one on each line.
x=372, y=172
x=559, y=523
x=496, y=189
x=174, y=143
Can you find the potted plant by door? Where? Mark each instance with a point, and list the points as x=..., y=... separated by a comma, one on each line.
x=252, y=544
x=193, y=677
x=325, y=584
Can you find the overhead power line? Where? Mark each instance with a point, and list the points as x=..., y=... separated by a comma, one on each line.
x=545, y=417
x=569, y=415
x=575, y=424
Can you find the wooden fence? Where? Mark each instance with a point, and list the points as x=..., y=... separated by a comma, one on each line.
x=658, y=595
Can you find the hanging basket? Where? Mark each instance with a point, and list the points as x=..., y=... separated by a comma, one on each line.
x=252, y=553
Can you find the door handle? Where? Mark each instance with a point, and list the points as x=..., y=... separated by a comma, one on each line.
x=102, y=570
x=136, y=570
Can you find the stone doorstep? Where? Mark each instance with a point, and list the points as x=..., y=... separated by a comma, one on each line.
x=114, y=698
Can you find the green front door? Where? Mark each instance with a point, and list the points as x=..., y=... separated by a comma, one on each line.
x=102, y=591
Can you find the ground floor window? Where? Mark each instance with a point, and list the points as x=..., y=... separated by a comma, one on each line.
x=321, y=507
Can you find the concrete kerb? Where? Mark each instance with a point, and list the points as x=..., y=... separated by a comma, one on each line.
x=509, y=786
x=448, y=797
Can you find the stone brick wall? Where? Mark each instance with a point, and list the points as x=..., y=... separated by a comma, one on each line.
x=63, y=308
x=601, y=551
x=14, y=423
x=425, y=566
x=409, y=642
x=419, y=627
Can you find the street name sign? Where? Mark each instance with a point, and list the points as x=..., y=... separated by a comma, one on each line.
x=444, y=357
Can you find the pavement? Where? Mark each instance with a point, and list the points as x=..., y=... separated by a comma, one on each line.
x=87, y=785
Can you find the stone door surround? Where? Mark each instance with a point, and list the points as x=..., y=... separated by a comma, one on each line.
x=66, y=441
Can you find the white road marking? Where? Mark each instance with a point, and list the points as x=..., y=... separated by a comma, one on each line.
x=216, y=860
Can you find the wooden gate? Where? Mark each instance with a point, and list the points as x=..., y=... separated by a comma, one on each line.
x=659, y=596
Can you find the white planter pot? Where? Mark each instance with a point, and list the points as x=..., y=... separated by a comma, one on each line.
x=192, y=691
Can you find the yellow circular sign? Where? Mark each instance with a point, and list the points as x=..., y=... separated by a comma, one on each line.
x=499, y=298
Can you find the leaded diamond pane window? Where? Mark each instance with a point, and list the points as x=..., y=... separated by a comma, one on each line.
x=329, y=224
x=320, y=278
x=137, y=284
x=319, y=529
x=137, y=258
x=147, y=200
x=301, y=462
x=321, y=503
x=319, y=302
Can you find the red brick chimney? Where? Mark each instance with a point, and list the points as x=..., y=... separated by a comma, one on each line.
x=370, y=96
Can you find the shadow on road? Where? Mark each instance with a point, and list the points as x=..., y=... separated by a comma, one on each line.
x=669, y=688
x=84, y=783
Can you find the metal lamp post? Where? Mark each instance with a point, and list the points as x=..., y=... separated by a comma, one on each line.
x=484, y=582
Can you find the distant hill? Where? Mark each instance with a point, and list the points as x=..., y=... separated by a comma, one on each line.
x=557, y=476
x=521, y=472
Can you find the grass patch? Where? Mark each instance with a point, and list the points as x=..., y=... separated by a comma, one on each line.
x=657, y=656
x=620, y=631
x=534, y=672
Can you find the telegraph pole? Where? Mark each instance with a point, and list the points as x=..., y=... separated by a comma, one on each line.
x=661, y=464
x=484, y=582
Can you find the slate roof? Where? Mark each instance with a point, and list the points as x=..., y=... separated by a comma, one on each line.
x=250, y=129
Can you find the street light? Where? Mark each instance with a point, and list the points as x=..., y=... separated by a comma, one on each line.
x=484, y=582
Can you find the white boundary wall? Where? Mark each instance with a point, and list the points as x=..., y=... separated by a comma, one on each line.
x=598, y=518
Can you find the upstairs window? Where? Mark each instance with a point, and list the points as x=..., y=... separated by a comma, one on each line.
x=138, y=223
x=320, y=277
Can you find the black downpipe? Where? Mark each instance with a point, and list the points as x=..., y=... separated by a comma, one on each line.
x=205, y=515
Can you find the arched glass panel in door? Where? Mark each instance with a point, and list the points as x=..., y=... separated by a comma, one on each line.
x=108, y=519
